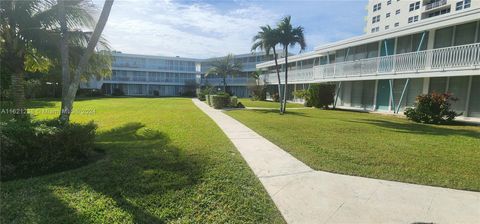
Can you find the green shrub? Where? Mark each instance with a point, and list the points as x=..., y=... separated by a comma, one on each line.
x=233, y=101
x=321, y=95
x=275, y=97
x=210, y=99
x=31, y=148
x=118, y=92
x=89, y=93
x=259, y=92
x=220, y=101
x=305, y=95
x=433, y=108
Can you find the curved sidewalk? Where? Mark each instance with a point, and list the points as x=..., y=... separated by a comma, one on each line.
x=304, y=195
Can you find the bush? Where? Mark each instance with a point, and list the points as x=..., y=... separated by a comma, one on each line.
x=233, y=101
x=202, y=93
x=321, y=95
x=433, y=108
x=240, y=105
x=275, y=97
x=305, y=95
x=89, y=93
x=259, y=92
x=220, y=101
x=118, y=92
x=31, y=148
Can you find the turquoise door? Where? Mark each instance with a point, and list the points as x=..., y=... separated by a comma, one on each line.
x=383, y=95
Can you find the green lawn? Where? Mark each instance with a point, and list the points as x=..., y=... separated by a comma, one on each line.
x=266, y=104
x=165, y=162
x=374, y=145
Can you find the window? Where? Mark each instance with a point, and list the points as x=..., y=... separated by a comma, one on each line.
x=414, y=6
x=376, y=19
x=397, y=12
x=463, y=5
x=388, y=15
x=389, y=2
x=387, y=27
x=397, y=24
x=440, y=12
x=412, y=19
x=375, y=29
x=377, y=7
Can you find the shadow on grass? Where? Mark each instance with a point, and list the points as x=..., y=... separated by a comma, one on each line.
x=416, y=128
x=141, y=169
x=277, y=112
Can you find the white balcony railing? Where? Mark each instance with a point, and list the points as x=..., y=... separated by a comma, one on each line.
x=230, y=81
x=435, y=4
x=457, y=57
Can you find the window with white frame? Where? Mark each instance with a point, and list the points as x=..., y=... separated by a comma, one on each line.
x=389, y=2
x=412, y=19
x=377, y=7
x=375, y=29
x=397, y=24
x=414, y=6
x=376, y=19
x=463, y=5
x=387, y=27
x=387, y=15
x=397, y=12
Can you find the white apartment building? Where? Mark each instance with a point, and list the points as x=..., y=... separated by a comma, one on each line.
x=148, y=75
x=390, y=14
x=386, y=70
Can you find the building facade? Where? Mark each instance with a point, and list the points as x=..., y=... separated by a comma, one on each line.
x=387, y=14
x=144, y=75
x=386, y=70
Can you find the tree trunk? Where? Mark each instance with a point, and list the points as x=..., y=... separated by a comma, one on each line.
x=18, y=89
x=75, y=82
x=64, y=51
x=279, y=81
x=286, y=81
x=224, y=84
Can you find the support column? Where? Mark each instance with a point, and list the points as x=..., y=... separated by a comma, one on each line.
x=467, y=100
x=401, y=97
x=336, y=96
x=375, y=96
x=392, y=102
x=426, y=85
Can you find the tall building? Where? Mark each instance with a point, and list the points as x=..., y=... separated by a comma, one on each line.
x=391, y=14
x=386, y=70
x=145, y=75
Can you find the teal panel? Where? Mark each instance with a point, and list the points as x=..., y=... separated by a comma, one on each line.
x=383, y=95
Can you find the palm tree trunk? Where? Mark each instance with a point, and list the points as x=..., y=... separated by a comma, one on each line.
x=286, y=81
x=18, y=89
x=224, y=83
x=73, y=85
x=279, y=81
x=64, y=51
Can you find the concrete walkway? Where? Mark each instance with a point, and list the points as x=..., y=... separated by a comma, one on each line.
x=304, y=195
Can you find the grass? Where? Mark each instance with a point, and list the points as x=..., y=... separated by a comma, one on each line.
x=165, y=162
x=267, y=104
x=373, y=145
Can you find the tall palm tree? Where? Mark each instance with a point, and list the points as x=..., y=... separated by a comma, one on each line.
x=289, y=37
x=29, y=29
x=225, y=66
x=265, y=40
x=68, y=95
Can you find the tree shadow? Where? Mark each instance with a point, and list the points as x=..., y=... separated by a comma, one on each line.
x=417, y=128
x=141, y=167
x=277, y=112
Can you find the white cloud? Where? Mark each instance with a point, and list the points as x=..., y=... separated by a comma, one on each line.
x=189, y=30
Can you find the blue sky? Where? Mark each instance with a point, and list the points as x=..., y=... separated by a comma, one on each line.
x=206, y=28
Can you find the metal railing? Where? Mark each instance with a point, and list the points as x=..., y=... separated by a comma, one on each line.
x=435, y=4
x=230, y=81
x=456, y=57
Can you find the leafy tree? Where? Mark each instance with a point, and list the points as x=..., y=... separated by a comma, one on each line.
x=267, y=39
x=289, y=36
x=225, y=66
x=70, y=86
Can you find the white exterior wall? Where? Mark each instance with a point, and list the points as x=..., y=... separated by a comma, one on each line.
x=405, y=13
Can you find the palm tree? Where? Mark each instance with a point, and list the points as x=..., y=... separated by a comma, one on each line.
x=265, y=40
x=225, y=66
x=68, y=95
x=29, y=29
x=289, y=37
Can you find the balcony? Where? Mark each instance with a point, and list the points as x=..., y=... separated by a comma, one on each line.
x=453, y=59
x=238, y=81
x=435, y=4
